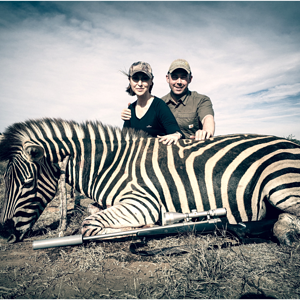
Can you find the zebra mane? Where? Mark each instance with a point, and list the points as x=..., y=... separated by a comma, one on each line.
x=16, y=134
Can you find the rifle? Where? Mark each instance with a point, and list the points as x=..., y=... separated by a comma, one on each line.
x=176, y=223
x=171, y=225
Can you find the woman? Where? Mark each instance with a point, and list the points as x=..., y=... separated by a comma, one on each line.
x=149, y=113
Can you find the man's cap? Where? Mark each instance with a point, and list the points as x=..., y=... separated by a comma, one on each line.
x=180, y=64
x=141, y=66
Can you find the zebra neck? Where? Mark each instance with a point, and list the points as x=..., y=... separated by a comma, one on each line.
x=91, y=161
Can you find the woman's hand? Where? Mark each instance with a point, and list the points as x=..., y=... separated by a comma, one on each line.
x=126, y=114
x=170, y=138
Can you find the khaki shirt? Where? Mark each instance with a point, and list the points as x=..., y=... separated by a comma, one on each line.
x=190, y=111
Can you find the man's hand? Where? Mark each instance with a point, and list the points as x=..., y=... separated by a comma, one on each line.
x=208, y=131
x=169, y=138
x=201, y=135
x=126, y=114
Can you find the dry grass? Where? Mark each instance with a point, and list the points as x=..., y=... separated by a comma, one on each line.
x=109, y=270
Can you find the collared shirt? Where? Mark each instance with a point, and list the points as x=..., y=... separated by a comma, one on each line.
x=190, y=111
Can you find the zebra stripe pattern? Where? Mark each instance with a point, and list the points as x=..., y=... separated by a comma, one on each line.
x=134, y=178
x=32, y=185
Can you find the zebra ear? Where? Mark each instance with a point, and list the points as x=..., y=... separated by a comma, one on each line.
x=34, y=152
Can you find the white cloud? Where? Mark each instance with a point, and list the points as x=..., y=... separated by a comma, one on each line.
x=62, y=59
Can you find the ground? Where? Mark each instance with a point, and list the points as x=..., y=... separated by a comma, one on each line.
x=109, y=270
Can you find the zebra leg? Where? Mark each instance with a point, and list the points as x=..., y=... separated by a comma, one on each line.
x=286, y=229
x=94, y=207
x=120, y=217
x=63, y=197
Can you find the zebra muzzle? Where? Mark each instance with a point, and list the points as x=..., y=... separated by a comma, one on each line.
x=8, y=232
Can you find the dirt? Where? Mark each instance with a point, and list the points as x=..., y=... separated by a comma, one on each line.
x=46, y=274
x=109, y=270
x=83, y=271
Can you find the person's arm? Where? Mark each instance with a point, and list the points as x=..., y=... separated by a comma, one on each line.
x=170, y=124
x=127, y=122
x=206, y=116
x=207, y=131
x=170, y=138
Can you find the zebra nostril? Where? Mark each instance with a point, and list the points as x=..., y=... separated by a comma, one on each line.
x=8, y=232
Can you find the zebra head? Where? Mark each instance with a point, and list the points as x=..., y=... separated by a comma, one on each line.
x=30, y=183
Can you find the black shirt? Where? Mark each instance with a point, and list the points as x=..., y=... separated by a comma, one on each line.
x=158, y=120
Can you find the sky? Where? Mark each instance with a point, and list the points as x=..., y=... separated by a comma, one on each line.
x=64, y=59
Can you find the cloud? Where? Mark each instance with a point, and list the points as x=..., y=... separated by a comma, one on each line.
x=63, y=59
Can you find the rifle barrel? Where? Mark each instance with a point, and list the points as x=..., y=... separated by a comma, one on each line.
x=203, y=226
x=58, y=242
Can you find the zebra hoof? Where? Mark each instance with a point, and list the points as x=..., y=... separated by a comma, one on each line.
x=286, y=229
x=287, y=239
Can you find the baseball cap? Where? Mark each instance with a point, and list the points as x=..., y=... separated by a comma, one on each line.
x=180, y=64
x=141, y=66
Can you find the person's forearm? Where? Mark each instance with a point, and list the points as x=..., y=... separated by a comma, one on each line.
x=209, y=124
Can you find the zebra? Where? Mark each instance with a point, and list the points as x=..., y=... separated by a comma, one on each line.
x=134, y=178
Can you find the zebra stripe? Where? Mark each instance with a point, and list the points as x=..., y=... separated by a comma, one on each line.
x=136, y=178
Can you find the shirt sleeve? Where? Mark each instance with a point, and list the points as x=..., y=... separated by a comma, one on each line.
x=204, y=107
x=167, y=118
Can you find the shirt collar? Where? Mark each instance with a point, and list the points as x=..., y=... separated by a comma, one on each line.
x=180, y=100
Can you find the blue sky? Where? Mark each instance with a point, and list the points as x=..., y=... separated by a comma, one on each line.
x=63, y=59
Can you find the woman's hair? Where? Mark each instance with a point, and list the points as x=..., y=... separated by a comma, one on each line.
x=129, y=90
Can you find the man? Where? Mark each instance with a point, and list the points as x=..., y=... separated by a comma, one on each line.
x=193, y=112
